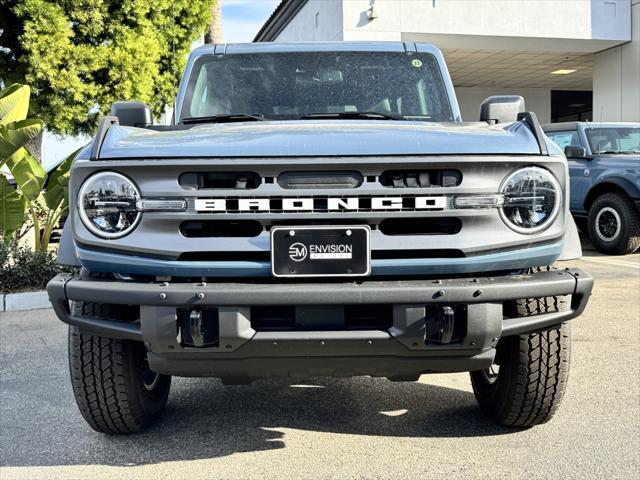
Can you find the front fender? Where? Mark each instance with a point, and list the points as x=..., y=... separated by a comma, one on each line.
x=67, y=248
x=624, y=180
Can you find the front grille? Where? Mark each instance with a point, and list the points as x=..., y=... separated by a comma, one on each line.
x=404, y=233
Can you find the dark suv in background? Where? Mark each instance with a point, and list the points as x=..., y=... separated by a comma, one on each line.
x=604, y=167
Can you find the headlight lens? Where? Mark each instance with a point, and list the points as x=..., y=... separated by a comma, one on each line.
x=107, y=204
x=532, y=198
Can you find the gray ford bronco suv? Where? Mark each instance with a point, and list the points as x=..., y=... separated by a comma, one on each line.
x=318, y=210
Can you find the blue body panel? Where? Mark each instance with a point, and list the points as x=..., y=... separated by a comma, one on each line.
x=588, y=173
x=511, y=260
x=320, y=138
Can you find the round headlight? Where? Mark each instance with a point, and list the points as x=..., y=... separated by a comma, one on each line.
x=532, y=198
x=107, y=205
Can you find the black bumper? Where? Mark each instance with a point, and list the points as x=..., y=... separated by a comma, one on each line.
x=400, y=352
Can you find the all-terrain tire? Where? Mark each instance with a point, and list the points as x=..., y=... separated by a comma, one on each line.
x=533, y=370
x=112, y=384
x=621, y=210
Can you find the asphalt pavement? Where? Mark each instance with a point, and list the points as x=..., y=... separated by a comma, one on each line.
x=335, y=428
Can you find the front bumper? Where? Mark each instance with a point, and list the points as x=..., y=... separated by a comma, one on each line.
x=399, y=352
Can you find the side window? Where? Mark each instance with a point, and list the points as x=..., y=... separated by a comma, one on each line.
x=198, y=101
x=563, y=139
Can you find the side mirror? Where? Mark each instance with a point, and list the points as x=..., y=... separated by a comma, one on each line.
x=501, y=109
x=132, y=114
x=575, y=151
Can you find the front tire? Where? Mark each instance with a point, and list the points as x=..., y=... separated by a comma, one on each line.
x=614, y=224
x=114, y=388
x=528, y=386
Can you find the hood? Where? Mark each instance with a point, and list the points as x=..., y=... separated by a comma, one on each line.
x=320, y=138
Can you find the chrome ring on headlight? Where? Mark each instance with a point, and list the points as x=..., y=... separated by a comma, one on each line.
x=107, y=205
x=532, y=200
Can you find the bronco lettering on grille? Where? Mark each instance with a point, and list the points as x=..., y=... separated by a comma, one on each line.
x=319, y=204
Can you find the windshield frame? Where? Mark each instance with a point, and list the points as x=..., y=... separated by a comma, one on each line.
x=448, y=104
x=591, y=129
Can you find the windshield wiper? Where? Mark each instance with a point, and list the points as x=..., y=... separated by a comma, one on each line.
x=353, y=115
x=226, y=118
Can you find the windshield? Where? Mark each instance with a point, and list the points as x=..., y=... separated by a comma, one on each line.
x=294, y=85
x=614, y=140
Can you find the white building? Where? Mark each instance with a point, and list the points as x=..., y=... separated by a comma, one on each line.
x=570, y=59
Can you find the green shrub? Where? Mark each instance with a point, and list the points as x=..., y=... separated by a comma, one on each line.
x=23, y=269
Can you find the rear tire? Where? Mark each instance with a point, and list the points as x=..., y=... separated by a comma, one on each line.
x=114, y=388
x=614, y=224
x=533, y=371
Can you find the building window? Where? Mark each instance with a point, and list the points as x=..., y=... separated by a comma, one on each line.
x=571, y=105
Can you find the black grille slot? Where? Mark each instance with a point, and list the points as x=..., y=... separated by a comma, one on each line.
x=266, y=256
x=417, y=254
x=225, y=257
x=220, y=228
x=328, y=180
x=273, y=318
x=420, y=178
x=226, y=180
x=321, y=318
x=421, y=226
x=306, y=221
x=368, y=317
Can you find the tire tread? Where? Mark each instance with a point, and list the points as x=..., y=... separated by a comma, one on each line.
x=100, y=375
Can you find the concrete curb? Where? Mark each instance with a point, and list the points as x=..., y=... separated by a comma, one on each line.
x=15, y=302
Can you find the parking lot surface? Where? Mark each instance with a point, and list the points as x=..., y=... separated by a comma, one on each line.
x=336, y=428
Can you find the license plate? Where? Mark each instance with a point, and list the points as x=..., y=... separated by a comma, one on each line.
x=320, y=251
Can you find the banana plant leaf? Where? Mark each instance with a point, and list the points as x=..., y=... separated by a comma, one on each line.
x=56, y=192
x=12, y=208
x=27, y=172
x=15, y=135
x=14, y=103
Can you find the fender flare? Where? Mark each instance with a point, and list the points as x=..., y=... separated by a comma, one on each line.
x=572, y=248
x=622, y=183
x=67, y=248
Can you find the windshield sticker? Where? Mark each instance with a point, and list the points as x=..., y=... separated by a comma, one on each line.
x=416, y=62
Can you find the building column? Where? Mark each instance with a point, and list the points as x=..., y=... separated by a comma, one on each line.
x=616, y=78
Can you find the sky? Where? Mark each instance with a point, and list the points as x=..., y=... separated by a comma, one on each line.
x=241, y=19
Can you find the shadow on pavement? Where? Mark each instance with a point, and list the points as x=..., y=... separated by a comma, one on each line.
x=205, y=419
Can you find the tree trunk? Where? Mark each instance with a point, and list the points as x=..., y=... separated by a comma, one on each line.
x=35, y=146
x=214, y=30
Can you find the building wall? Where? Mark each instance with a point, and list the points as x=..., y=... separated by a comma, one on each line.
x=616, y=78
x=537, y=100
x=318, y=20
x=536, y=19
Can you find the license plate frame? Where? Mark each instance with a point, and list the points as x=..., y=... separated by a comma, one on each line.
x=314, y=255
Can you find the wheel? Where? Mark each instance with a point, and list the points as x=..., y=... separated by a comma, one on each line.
x=114, y=388
x=614, y=224
x=526, y=385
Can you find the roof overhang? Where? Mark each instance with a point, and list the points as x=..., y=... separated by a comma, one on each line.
x=279, y=19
